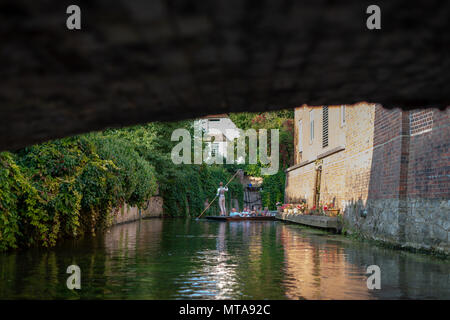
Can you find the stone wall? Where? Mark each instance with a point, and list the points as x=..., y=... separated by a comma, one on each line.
x=126, y=213
x=392, y=180
x=329, y=223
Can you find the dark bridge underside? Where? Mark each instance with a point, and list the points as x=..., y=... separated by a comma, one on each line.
x=140, y=61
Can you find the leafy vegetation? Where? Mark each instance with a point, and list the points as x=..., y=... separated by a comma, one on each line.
x=68, y=187
x=273, y=185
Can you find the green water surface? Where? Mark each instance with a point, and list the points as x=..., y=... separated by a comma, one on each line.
x=189, y=259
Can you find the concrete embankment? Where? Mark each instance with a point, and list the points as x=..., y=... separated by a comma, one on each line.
x=328, y=223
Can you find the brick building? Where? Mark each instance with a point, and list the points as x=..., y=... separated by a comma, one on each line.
x=387, y=170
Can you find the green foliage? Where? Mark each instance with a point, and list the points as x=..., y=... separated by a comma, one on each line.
x=133, y=180
x=273, y=185
x=12, y=186
x=35, y=204
x=184, y=187
x=243, y=120
x=273, y=189
x=67, y=187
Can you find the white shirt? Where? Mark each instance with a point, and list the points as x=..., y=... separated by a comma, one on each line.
x=221, y=191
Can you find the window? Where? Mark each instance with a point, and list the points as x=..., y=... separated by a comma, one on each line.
x=300, y=136
x=342, y=116
x=214, y=120
x=311, y=125
x=324, y=126
x=420, y=121
x=214, y=149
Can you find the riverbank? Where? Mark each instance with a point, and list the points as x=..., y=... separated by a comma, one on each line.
x=332, y=224
x=337, y=225
x=395, y=246
x=127, y=213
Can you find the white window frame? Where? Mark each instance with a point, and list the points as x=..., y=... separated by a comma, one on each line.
x=342, y=112
x=215, y=149
x=300, y=136
x=311, y=126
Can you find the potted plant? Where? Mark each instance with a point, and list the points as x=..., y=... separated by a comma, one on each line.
x=301, y=208
x=330, y=210
x=290, y=210
x=279, y=206
x=286, y=207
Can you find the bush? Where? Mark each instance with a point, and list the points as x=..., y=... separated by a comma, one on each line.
x=12, y=186
x=273, y=185
x=67, y=187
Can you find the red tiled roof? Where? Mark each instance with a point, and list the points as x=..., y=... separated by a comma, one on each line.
x=220, y=115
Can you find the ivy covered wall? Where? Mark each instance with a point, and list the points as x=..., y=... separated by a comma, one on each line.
x=66, y=188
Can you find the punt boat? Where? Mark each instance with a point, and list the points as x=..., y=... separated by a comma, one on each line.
x=228, y=218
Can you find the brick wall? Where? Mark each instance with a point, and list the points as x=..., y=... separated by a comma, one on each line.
x=386, y=154
x=378, y=216
x=429, y=155
x=345, y=173
x=300, y=184
x=421, y=121
x=392, y=180
x=428, y=180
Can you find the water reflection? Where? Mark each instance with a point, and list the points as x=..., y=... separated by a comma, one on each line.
x=186, y=259
x=316, y=268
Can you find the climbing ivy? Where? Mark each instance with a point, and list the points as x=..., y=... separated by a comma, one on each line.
x=68, y=187
x=273, y=185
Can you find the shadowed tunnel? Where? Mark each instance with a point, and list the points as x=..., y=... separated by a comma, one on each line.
x=136, y=61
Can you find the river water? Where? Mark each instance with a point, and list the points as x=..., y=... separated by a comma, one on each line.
x=188, y=259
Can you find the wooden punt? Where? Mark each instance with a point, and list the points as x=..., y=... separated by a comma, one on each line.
x=227, y=218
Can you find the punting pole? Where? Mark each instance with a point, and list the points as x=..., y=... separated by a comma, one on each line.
x=216, y=194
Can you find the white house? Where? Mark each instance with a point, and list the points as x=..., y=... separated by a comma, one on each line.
x=218, y=130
